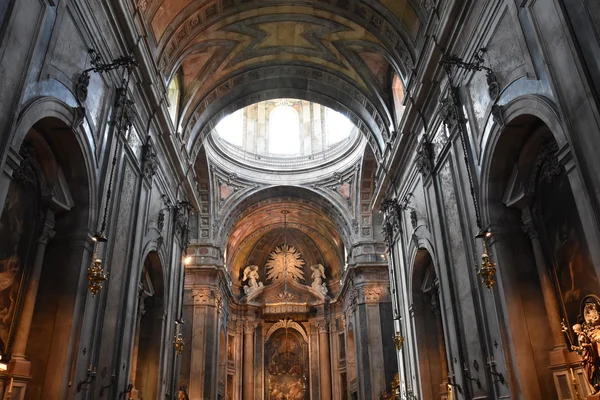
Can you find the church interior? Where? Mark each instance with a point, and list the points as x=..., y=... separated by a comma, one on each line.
x=300, y=199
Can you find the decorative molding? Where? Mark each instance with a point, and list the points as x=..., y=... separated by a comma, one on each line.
x=322, y=325
x=25, y=172
x=202, y=296
x=286, y=324
x=498, y=115
x=149, y=162
x=424, y=161
x=249, y=327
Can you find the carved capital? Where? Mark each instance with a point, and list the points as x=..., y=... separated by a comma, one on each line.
x=249, y=327
x=371, y=294
x=201, y=296
x=322, y=325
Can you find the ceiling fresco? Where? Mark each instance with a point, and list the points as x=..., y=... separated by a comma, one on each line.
x=231, y=53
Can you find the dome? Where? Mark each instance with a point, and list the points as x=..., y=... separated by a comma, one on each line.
x=285, y=134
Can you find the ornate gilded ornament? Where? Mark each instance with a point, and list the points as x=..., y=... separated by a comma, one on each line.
x=285, y=258
x=96, y=276
x=487, y=268
x=179, y=343
x=398, y=340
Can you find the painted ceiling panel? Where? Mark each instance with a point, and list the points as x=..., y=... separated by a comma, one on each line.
x=378, y=66
x=256, y=34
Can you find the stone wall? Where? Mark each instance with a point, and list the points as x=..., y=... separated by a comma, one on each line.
x=530, y=48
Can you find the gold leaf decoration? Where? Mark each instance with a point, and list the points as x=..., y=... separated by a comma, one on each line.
x=284, y=258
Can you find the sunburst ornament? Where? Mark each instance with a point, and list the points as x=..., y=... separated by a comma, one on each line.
x=285, y=258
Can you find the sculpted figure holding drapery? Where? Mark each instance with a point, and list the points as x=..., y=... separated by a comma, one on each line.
x=588, y=338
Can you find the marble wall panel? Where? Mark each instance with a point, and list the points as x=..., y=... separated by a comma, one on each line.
x=505, y=57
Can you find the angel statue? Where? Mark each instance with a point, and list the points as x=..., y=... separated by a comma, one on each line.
x=251, y=275
x=318, y=276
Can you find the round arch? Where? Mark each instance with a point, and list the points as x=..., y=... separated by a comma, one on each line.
x=239, y=209
x=287, y=81
x=525, y=106
x=49, y=107
x=283, y=324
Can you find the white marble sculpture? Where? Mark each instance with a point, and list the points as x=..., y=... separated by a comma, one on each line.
x=253, y=286
x=318, y=283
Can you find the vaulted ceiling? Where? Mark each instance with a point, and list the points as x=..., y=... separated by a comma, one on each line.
x=261, y=229
x=232, y=53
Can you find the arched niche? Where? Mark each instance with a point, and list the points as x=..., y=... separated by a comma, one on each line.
x=431, y=346
x=287, y=369
x=145, y=371
x=44, y=227
x=544, y=261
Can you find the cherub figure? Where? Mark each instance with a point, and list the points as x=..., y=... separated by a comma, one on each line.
x=251, y=275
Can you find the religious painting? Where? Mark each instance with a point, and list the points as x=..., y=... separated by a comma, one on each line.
x=231, y=348
x=566, y=245
x=18, y=231
x=286, y=361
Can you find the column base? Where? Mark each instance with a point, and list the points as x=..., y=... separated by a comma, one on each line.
x=19, y=366
x=13, y=382
x=568, y=374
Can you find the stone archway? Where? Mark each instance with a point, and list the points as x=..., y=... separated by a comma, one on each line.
x=540, y=239
x=287, y=370
x=145, y=369
x=431, y=346
x=45, y=232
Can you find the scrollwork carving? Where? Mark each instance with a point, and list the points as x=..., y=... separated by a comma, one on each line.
x=25, y=172
x=149, y=162
x=424, y=160
x=498, y=115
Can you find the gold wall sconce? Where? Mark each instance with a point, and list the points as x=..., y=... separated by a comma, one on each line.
x=96, y=274
x=398, y=341
x=179, y=344
x=487, y=268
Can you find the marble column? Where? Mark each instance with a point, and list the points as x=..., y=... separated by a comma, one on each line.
x=30, y=298
x=324, y=361
x=248, y=368
x=549, y=294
